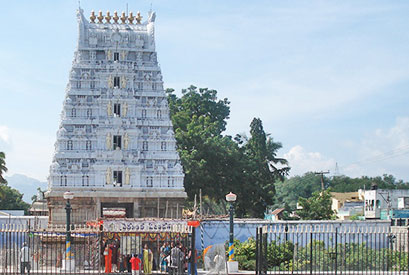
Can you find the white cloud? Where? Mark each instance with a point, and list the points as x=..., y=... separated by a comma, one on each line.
x=4, y=133
x=384, y=151
x=28, y=153
x=302, y=161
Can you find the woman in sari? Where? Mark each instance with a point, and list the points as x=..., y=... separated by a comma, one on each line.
x=147, y=260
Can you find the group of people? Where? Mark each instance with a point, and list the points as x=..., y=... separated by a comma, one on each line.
x=176, y=258
x=115, y=261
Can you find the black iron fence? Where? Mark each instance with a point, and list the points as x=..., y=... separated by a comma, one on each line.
x=328, y=249
x=92, y=250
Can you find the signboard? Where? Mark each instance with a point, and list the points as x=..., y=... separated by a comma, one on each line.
x=400, y=213
x=146, y=226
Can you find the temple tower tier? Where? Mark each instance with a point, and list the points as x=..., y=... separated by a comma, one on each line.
x=115, y=147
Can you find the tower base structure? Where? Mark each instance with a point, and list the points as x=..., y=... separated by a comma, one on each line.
x=97, y=204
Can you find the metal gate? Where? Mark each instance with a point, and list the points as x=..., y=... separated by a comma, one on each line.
x=327, y=249
x=46, y=248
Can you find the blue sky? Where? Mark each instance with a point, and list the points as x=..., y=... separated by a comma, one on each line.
x=329, y=79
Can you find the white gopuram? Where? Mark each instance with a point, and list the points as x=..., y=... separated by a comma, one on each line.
x=115, y=147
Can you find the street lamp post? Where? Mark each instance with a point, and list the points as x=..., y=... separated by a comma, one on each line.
x=231, y=264
x=69, y=261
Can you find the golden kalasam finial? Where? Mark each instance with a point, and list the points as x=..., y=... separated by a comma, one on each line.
x=92, y=17
x=108, y=18
x=131, y=18
x=100, y=17
x=138, y=18
x=123, y=18
x=115, y=17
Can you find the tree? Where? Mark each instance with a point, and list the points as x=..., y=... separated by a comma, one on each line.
x=10, y=199
x=317, y=207
x=211, y=161
x=291, y=189
x=3, y=168
x=217, y=164
x=261, y=170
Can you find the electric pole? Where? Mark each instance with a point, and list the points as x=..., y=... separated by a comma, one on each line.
x=322, y=177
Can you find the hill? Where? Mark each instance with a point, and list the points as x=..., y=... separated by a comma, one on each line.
x=25, y=185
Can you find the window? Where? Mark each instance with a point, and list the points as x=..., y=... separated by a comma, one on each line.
x=85, y=180
x=116, y=82
x=163, y=145
x=117, y=109
x=69, y=145
x=145, y=130
x=92, y=85
x=143, y=113
x=63, y=181
x=149, y=182
x=159, y=114
x=73, y=112
x=149, y=164
x=116, y=56
x=145, y=146
x=88, y=145
x=117, y=142
x=171, y=182
x=118, y=178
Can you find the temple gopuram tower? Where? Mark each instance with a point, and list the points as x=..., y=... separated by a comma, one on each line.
x=115, y=147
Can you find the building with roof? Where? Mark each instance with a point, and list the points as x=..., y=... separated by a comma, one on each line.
x=347, y=204
x=115, y=145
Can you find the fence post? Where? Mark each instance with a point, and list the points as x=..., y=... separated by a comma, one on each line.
x=265, y=263
x=257, y=252
x=311, y=252
x=407, y=248
x=336, y=250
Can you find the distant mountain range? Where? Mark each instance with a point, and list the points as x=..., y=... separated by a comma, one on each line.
x=25, y=185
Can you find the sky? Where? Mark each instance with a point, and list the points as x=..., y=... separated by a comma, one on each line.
x=329, y=79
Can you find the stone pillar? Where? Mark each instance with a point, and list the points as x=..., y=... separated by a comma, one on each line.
x=98, y=208
x=136, y=210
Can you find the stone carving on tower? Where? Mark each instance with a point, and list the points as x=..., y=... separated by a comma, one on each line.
x=115, y=145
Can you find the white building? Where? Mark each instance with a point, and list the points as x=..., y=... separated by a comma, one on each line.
x=115, y=145
x=381, y=201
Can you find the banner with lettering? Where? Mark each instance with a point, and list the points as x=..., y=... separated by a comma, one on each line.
x=179, y=226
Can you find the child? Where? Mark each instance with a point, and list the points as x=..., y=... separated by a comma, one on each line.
x=135, y=262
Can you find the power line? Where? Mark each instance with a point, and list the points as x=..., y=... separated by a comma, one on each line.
x=399, y=151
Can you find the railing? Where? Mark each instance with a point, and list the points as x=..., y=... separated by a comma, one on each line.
x=93, y=251
x=327, y=249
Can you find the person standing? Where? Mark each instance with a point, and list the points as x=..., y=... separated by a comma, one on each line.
x=25, y=259
x=135, y=264
x=115, y=255
x=176, y=258
x=163, y=255
x=108, y=259
x=192, y=267
x=147, y=260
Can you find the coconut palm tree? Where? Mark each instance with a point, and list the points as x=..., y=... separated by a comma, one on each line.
x=3, y=168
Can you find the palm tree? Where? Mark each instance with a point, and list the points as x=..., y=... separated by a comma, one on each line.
x=3, y=167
